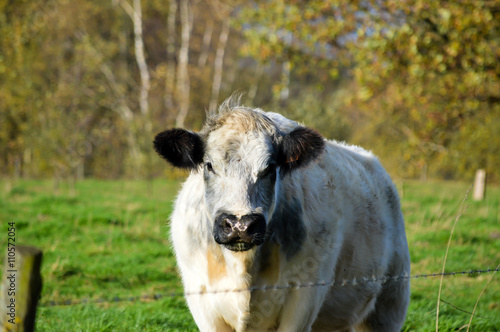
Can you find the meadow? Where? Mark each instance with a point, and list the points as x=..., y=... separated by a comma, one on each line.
x=107, y=254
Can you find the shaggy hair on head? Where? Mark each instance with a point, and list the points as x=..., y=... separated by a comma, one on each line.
x=233, y=116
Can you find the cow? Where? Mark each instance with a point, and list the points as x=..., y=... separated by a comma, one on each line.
x=278, y=229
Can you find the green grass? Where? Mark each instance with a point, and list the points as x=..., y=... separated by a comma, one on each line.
x=109, y=239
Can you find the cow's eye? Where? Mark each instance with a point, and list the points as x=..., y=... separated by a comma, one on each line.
x=209, y=167
x=270, y=169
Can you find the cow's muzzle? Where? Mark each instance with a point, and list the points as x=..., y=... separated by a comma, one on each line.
x=240, y=234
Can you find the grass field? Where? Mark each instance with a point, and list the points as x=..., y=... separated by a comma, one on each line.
x=108, y=239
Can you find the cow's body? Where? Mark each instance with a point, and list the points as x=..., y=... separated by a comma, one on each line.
x=335, y=219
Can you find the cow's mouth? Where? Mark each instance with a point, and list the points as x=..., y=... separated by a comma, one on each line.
x=239, y=246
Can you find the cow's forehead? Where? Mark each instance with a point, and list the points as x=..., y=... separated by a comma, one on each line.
x=240, y=135
x=229, y=147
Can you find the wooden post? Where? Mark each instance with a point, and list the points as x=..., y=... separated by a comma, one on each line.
x=21, y=287
x=479, y=185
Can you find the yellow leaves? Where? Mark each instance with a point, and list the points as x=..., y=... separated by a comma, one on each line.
x=390, y=33
x=437, y=62
x=445, y=15
x=441, y=68
x=365, y=93
x=3, y=66
x=334, y=72
x=264, y=52
x=415, y=70
x=273, y=38
x=416, y=114
x=309, y=13
x=361, y=32
x=413, y=45
x=453, y=48
x=406, y=29
x=472, y=78
x=424, y=67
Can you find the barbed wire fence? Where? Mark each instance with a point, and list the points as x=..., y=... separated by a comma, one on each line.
x=295, y=285
x=335, y=283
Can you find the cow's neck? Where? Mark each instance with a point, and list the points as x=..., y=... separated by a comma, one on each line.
x=225, y=264
x=259, y=266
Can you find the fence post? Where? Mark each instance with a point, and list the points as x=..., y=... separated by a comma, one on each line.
x=479, y=185
x=21, y=287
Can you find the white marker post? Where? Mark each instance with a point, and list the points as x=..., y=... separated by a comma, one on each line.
x=479, y=185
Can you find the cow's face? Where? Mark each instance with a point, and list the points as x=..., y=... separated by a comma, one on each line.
x=241, y=169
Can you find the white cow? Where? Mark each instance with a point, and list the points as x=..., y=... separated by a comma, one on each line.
x=269, y=203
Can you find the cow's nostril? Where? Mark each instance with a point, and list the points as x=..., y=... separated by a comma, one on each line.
x=227, y=225
x=255, y=225
x=252, y=228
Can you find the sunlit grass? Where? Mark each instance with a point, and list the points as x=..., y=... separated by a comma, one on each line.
x=430, y=210
x=108, y=239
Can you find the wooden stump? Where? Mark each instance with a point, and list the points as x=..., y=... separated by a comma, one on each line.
x=21, y=287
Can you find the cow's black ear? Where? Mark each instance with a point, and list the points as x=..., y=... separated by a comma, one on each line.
x=299, y=148
x=180, y=147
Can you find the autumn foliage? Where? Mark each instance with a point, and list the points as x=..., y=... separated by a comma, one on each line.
x=415, y=81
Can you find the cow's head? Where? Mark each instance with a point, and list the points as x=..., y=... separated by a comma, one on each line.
x=242, y=157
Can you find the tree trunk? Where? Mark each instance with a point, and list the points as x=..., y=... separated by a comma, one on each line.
x=218, y=65
x=135, y=14
x=141, y=61
x=205, y=48
x=126, y=114
x=145, y=86
x=182, y=67
x=168, y=99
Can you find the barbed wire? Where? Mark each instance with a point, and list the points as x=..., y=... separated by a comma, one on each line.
x=336, y=283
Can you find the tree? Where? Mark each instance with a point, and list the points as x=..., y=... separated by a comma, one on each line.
x=183, y=86
x=439, y=75
x=219, y=58
x=84, y=85
x=418, y=72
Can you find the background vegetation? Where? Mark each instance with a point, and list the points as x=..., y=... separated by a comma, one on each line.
x=85, y=85
x=109, y=239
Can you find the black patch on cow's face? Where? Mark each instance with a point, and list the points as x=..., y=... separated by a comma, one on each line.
x=287, y=227
x=180, y=147
x=299, y=148
x=261, y=193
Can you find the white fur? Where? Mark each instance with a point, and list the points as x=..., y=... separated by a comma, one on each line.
x=352, y=233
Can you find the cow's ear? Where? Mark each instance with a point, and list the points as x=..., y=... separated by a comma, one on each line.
x=180, y=147
x=299, y=148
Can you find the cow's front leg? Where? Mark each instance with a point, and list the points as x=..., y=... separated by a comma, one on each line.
x=301, y=309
